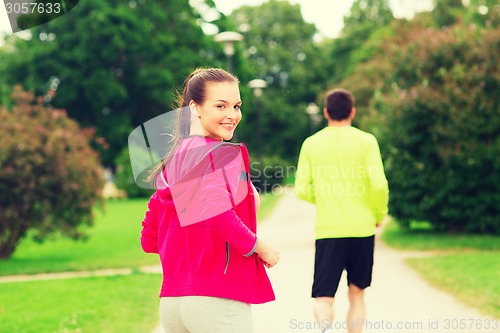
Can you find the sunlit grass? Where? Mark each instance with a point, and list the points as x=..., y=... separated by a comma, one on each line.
x=113, y=243
x=422, y=237
x=466, y=266
x=125, y=304
x=95, y=304
x=473, y=278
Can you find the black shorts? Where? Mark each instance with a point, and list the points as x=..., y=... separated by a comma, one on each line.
x=333, y=255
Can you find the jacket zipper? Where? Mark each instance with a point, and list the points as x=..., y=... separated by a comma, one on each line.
x=227, y=257
x=228, y=253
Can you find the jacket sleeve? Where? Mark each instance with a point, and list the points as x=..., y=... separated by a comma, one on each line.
x=217, y=205
x=379, y=189
x=149, y=233
x=304, y=187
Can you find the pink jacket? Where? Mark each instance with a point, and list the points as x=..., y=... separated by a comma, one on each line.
x=202, y=223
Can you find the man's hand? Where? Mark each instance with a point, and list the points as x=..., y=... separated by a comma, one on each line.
x=380, y=223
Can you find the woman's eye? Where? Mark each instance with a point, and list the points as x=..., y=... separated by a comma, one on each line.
x=237, y=107
x=221, y=106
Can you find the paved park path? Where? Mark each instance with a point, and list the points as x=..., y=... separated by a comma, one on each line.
x=398, y=300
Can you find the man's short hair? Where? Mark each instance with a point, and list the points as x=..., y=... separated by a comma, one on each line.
x=339, y=103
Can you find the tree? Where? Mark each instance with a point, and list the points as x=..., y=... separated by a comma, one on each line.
x=360, y=39
x=374, y=13
x=50, y=178
x=280, y=48
x=484, y=13
x=441, y=117
x=370, y=77
x=447, y=12
x=118, y=62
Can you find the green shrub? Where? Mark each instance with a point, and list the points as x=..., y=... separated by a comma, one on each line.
x=50, y=178
x=442, y=119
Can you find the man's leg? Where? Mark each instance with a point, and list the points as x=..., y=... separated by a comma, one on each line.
x=359, y=277
x=357, y=310
x=328, y=266
x=323, y=311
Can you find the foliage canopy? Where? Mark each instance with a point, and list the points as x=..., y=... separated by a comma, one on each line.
x=440, y=122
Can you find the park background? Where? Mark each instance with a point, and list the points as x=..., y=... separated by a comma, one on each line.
x=72, y=90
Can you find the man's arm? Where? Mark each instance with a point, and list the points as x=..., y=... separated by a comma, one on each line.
x=304, y=188
x=379, y=188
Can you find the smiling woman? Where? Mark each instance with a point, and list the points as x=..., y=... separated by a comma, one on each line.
x=202, y=218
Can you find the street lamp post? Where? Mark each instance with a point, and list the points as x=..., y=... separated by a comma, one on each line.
x=228, y=38
x=257, y=86
x=314, y=118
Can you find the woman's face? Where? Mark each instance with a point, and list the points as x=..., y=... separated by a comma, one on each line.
x=220, y=113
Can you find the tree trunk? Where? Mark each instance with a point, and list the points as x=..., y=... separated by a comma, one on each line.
x=6, y=250
x=10, y=237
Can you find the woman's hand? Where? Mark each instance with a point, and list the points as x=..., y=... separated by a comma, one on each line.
x=268, y=255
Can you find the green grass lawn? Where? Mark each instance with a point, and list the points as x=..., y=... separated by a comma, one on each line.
x=467, y=266
x=422, y=238
x=474, y=278
x=95, y=304
x=113, y=242
x=125, y=304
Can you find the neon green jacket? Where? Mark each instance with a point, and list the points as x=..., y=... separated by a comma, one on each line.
x=340, y=170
